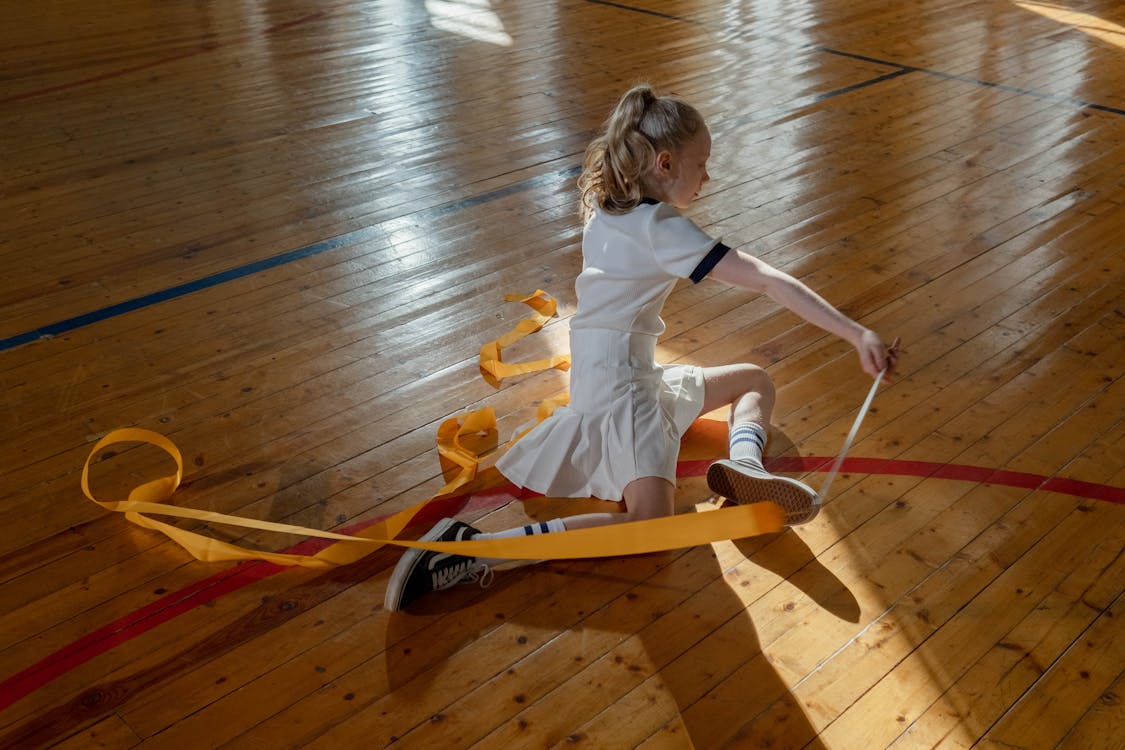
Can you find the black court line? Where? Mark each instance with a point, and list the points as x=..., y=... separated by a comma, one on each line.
x=726, y=126
x=861, y=85
x=646, y=11
x=1067, y=100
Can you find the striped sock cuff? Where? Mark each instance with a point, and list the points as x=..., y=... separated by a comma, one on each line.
x=749, y=432
x=553, y=526
x=747, y=441
x=556, y=525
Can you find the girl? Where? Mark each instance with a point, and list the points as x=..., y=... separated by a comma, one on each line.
x=619, y=438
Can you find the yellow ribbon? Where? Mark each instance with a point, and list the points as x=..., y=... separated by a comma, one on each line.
x=619, y=539
x=149, y=498
x=493, y=369
x=461, y=445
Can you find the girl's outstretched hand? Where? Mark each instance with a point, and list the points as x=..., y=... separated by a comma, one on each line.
x=874, y=356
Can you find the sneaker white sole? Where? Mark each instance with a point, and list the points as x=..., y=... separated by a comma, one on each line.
x=406, y=563
x=737, y=484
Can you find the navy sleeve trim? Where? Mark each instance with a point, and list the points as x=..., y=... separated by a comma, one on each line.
x=709, y=262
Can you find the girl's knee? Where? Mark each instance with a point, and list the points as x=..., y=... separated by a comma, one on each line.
x=756, y=380
x=728, y=384
x=649, y=497
x=753, y=379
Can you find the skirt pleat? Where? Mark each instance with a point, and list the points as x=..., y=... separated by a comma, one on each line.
x=624, y=422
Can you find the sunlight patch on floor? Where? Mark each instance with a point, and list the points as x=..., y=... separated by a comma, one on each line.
x=474, y=19
x=1099, y=28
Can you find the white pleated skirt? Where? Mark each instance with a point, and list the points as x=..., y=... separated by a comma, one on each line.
x=624, y=422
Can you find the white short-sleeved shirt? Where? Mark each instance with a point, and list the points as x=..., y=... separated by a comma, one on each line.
x=630, y=264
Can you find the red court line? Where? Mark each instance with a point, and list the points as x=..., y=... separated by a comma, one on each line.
x=173, y=605
x=198, y=594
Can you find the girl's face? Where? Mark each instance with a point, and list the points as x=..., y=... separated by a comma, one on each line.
x=681, y=174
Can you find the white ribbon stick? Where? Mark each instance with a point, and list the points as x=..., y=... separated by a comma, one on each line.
x=851, y=436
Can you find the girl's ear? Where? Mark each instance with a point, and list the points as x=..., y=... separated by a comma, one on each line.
x=664, y=163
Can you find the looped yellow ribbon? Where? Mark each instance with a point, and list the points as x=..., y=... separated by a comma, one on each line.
x=492, y=367
x=461, y=445
x=150, y=498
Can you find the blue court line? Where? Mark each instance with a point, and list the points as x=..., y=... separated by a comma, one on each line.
x=78, y=321
x=344, y=240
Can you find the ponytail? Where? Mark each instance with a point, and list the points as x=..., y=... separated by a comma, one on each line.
x=617, y=161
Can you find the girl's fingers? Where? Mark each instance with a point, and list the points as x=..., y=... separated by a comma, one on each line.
x=891, y=356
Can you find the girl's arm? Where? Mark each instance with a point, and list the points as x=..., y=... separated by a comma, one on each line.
x=745, y=271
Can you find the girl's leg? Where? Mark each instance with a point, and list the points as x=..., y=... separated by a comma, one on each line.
x=647, y=497
x=742, y=478
x=747, y=388
x=419, y=571
x=750, y=392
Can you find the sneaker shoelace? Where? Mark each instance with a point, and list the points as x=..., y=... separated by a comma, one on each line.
x=481, y=574
x=466, y=571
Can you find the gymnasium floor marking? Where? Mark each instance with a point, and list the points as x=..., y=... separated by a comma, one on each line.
x=364, y=234
x=901, y=68
x=170, y=606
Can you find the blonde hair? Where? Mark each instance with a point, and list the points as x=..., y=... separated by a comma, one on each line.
x=617, y=161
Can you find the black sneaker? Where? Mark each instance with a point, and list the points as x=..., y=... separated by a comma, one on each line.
x=421, y=571
x=744, y=483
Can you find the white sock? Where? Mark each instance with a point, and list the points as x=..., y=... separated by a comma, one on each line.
x=548, y=527
x=553, y=526
x=748, y=443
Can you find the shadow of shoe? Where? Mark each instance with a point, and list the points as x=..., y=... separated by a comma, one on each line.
x=789, y=557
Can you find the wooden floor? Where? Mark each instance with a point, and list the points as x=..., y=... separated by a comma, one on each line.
x=278, y=233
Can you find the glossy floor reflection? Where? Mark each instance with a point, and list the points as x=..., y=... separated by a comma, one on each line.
x=279, y=234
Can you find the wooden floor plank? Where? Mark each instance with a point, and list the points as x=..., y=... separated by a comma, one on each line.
x=1098, y=728
x=945, y=171
x=903, y=694
x=1088, y=668
x=1018, y=660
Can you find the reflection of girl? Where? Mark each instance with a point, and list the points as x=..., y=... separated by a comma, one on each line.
x=619, y=437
